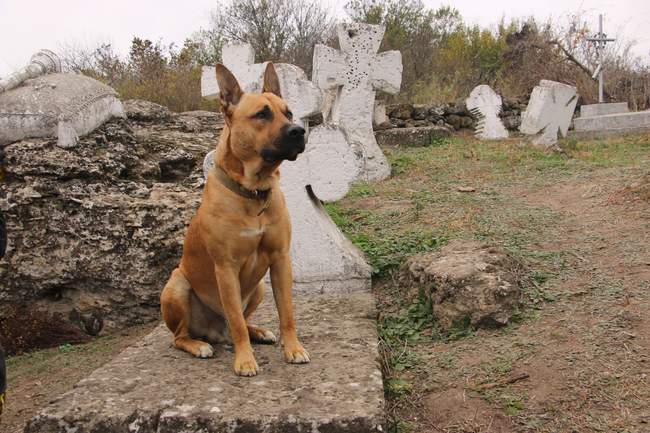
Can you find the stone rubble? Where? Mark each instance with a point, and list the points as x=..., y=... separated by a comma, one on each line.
x=99, y=226
x=421, y=136
x=450, y=115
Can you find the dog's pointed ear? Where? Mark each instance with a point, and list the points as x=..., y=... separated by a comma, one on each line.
x=229, y=91
x=271, y=81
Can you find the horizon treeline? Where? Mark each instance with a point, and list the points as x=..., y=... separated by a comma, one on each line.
x=444, y=58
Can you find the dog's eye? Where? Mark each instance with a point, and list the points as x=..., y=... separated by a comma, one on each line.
x=289, y=115
x=264, y=114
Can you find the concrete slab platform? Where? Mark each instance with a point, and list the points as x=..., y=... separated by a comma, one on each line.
x=152, y=387
x=603, y=109
x=612, y=124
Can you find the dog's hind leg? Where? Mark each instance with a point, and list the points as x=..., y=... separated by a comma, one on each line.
x=177, y=314
x=257, y=334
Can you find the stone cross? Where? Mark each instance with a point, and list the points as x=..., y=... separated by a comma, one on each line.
x=485, y=105
x=323, y=258
x=354, y=74
x=549, y=112
x=240, y=59
x=600, y=39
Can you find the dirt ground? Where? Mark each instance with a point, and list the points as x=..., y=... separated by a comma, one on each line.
x=577, y=358
x=586, y=355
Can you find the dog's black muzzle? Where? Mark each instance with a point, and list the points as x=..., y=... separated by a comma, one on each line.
x=289, y=146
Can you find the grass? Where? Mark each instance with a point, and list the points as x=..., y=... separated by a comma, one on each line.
x=38, y=362
x=31, y=365
x=421, y=207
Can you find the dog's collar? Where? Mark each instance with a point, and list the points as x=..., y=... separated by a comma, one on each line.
x=234, y=186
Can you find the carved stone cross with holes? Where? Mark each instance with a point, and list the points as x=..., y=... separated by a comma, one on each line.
x=323, y=259
x=353, y=75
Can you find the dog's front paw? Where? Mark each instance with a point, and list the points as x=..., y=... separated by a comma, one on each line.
x=204, y=351
x=246, y=366
x=296, y=354
x=261, y=335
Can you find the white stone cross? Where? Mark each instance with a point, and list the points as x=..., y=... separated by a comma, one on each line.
x=240, y=59
x=549, y=112
x=354, y=74
x=323, y=258
x=485, y=105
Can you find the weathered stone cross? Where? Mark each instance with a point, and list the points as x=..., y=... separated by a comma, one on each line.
x=323, y=259
x=355, y=73
x=485, y=105
x=549, y=112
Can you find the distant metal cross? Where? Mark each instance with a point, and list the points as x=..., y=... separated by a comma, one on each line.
x=600, y=39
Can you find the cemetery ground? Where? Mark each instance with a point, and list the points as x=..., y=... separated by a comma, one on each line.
x=576, y=357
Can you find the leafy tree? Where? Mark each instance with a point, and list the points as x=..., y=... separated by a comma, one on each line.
x=278, y=30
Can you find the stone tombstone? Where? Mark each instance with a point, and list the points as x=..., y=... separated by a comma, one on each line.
x=324, y=260
x=485, y=105
x=549, y=112
x=66, y=106
x=354, y=74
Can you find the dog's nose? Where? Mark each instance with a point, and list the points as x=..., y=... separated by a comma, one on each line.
x=296, y=131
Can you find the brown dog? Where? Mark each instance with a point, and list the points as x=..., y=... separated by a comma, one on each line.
x=240, y=230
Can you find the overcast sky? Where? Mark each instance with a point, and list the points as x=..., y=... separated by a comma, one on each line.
x=28, y=25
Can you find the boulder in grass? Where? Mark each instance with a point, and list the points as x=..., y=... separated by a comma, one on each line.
x=468, y=283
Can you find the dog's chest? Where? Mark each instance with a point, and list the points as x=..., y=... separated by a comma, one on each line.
x=257, y=262
x=252, y=232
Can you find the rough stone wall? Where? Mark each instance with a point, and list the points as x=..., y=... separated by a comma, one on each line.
x=453, y=116
x=100, y=225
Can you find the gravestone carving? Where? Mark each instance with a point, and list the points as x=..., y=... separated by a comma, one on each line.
x=41, y=63
x=355, y=73
x=66, y=106
x=549, y=112
x=485, y=105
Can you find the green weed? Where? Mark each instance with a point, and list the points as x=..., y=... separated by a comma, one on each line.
x=387, y=250
x=400, y=163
